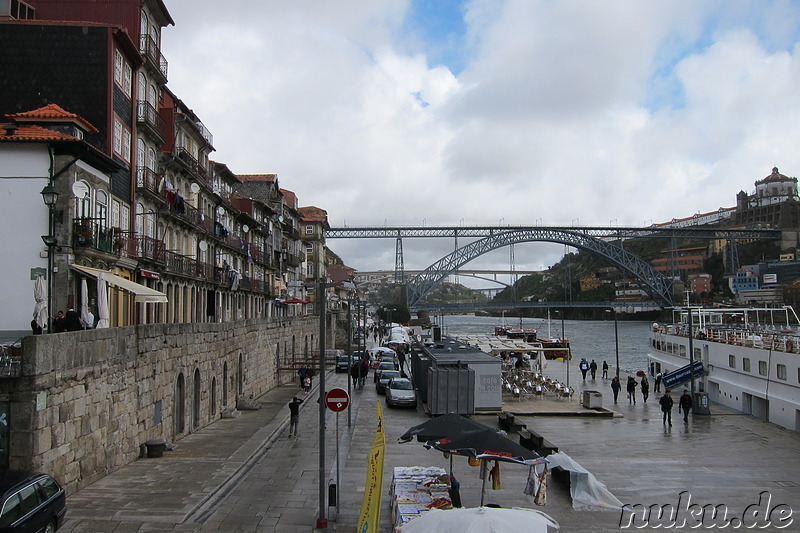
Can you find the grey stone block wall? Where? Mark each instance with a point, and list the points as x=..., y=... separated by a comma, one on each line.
x=87, y=400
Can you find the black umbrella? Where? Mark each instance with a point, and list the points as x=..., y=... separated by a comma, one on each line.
x=448, y=426
x=487, y=444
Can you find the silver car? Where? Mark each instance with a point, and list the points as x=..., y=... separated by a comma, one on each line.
x=400, y=391
x=383, y=381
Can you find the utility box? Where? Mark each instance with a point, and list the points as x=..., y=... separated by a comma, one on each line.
x=451, y=389
x=592, y=399
x=701, y=404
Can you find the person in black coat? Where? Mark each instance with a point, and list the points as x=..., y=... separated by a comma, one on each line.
x=666, y=403
x=615, y=387
x=72, y=320
x=645, y=388
x=631, y=388
x=685, y=404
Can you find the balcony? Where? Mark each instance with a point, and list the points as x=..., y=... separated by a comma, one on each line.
x=92, y=233
x=148, y=181
x=181, y=265
x=150, y=121
x=150, y=248
x=188, y=160
x=153, y=57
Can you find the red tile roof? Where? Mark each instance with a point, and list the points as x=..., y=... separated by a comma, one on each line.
x=52, y=113
x=313, y=214
x=26, y=132
x=290, y=197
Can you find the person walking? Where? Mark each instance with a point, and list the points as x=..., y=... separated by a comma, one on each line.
x=363, y=371
x=666, y=403
x=294, y=416
x=659, y=377
x=605, y=370
x=645, y=388
x=685, y=404
x=354, y=372
x=593, y=368
x=631, y=388
x=615, y=387
x=302, y=373
x=584, y=366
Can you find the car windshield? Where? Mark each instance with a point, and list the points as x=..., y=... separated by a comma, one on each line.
x=389, y=374
x=401, y=385
x=384, y=366
x=343, y=359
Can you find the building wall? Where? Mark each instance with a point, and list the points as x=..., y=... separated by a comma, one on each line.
x=87, y=400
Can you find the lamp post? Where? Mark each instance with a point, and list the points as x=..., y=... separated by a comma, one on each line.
x=613, y=311
x=50, y=197
x=568, y=356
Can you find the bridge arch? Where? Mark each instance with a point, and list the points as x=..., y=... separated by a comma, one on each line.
x=658, y=286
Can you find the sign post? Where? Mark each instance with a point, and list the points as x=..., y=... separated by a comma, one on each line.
x=337, y=401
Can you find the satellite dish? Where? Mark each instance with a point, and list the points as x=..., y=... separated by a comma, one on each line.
x=203, y=245
x=220, y=210
x=270, y=226
x=195, y=188
x=280, y=219
x=245, y=228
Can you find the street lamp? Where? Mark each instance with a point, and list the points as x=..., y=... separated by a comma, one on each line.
x=50, y=197
x=613, y=310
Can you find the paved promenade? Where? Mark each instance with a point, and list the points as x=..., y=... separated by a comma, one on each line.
x=246, y=475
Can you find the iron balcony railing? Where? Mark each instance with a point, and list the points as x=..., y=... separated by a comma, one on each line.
x=148, y=116
x=149, y=180
x=153, y=55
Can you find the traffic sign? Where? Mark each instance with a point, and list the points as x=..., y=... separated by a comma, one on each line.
x=337, y=400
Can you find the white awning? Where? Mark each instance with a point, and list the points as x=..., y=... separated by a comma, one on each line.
x=141, y=293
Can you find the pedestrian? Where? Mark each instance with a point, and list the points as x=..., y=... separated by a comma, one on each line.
x=659, y=377
x=89, y=322
x=36, y=329
x=615, y=387
x=58, y=323
x=666, y=407
x=584, y=366
x=401, y=356
x=302, y=373
x=294, y=416
x=593, y=368
x=72, y=320
x=631, y=388
x=354, y=371
x=363, y=371
x=605, y=370
x=645, y=388
x=685, y=404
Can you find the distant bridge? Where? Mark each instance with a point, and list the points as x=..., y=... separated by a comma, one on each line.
x=599, y=240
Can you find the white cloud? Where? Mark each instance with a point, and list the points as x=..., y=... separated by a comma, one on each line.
x=567, y=112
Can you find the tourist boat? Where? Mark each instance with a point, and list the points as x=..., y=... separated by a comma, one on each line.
x=550, y=348
x=750, y=358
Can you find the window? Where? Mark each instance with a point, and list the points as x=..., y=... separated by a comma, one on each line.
x=782, y=372
x=746, y=364
x=762, y=368
x=117, y=136
x=309, y=230
x=732, y=361
x=122, y=140
x=118, y=65
x=309, y=248
x=310, y=269
x=127, y=79
x=123, y=73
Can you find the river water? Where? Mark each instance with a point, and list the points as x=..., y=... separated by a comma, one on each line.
x=589, y=338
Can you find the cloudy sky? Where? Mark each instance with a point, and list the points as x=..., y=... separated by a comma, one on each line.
x=484, y=112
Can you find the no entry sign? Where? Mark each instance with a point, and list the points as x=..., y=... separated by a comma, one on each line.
x=337, y=400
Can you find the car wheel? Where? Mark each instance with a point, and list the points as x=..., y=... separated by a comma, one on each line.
x=51, y=528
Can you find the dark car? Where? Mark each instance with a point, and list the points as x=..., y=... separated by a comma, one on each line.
x=386, y=375
x=343, y=363
x=30, y=503
x=384, y=366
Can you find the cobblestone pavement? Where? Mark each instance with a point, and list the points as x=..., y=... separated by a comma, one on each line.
x=246, y=474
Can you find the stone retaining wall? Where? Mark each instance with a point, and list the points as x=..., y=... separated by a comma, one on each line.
x=88, y=400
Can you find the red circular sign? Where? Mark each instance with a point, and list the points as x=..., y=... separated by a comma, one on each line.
x=337, y=400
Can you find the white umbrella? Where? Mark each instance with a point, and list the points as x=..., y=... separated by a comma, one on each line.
x=40, y=310
x=480, y=520
x=102, y=301
x=84, y=302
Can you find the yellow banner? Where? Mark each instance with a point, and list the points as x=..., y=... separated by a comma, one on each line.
x=370, y=516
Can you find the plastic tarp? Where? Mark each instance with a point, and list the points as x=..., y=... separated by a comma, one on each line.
x=587, y=493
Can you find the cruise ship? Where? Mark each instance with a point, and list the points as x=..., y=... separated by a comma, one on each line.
x=747, y=359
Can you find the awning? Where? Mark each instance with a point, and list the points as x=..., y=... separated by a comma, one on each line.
x=141, y=293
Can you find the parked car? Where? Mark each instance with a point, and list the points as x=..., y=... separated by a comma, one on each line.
x=400, y=391
x=30, y=502
x=384, y=366
x=386, y=375
x=343, y=363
